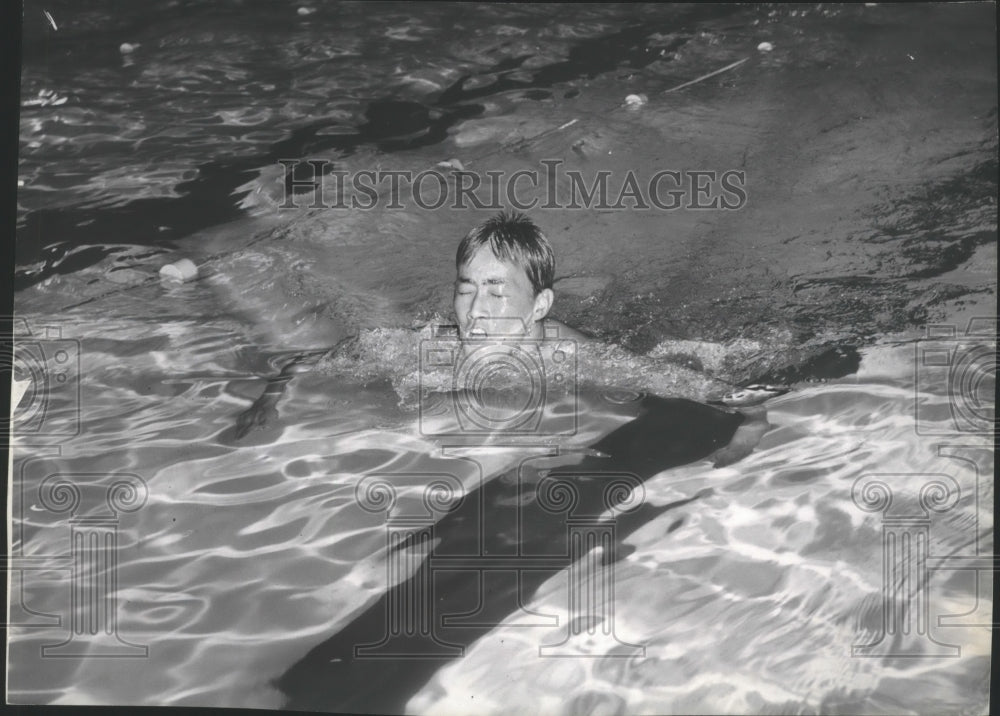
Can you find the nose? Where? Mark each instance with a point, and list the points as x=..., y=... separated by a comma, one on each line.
x=477, y=309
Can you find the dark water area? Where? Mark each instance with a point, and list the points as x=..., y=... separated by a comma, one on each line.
x=391, y=123
x=183, y=131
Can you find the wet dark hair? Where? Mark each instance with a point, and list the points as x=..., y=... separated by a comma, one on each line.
x=513, y=237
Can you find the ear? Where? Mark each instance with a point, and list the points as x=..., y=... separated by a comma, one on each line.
x=543, y=302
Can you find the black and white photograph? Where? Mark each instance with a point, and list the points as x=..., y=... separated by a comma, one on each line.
x=483, y=358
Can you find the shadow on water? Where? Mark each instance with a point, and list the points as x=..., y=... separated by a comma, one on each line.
x=482, y=548
x=834, y=362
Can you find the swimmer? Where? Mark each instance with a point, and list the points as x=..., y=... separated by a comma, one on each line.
x=505, y=269
x=503, y=288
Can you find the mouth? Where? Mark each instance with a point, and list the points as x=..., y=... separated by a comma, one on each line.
x=476, y=334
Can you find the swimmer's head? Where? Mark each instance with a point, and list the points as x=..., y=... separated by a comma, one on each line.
x=503, y=288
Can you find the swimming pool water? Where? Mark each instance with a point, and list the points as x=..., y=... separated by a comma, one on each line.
x=869, y=140
x=747, y=597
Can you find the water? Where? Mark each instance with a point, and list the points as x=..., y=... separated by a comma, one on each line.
x=868, y=137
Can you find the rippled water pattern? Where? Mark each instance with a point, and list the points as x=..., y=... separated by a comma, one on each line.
x=748, y=586
x=748, y=598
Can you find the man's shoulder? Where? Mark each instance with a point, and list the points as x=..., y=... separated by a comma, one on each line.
x=566, y=332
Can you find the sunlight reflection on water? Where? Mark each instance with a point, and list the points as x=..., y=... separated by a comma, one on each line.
x=745, y=599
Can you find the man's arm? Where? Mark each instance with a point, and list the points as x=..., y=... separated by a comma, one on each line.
x=264, y=409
